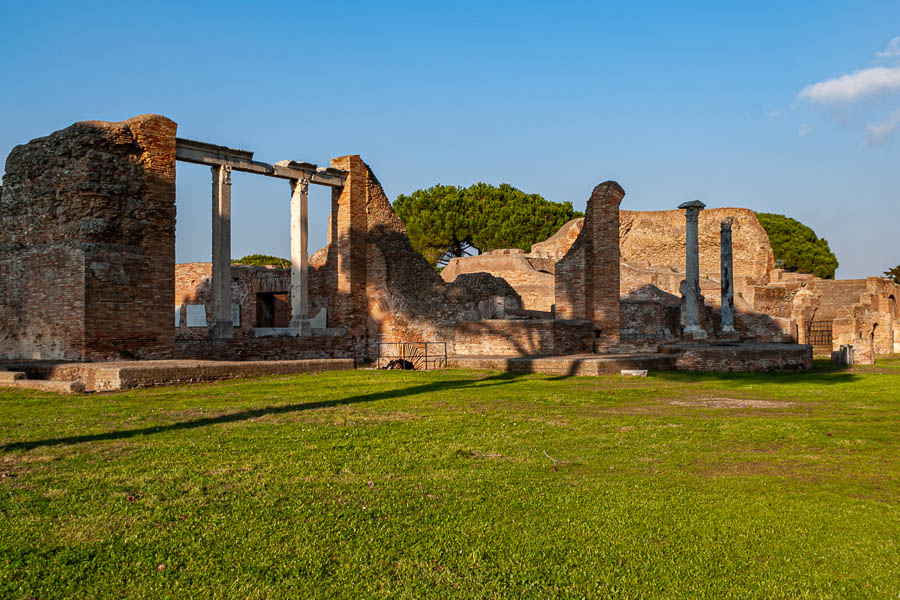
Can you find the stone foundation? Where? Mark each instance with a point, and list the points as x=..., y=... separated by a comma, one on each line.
x=741, y=357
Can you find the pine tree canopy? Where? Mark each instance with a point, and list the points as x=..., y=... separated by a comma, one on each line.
x=263, y=260
x=798, y=246
x=448, y=221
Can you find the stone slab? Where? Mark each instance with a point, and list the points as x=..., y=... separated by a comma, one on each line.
x=573, y=365
x=634, y=372
x=123, y=375
x=196, y=315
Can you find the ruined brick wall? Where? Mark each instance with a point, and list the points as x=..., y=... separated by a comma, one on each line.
x=193, y=285
x=375, y=285
x=656, y=239
x=534, y=286
x=265, y=348
x=746, y=358
x=586, y=279
x=509, y=337
x=653, y=241
x=836, y=295
x=871, y=323
x=650, y=317
x=87, y=242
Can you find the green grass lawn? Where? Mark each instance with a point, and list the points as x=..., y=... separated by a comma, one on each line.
x=387, y=484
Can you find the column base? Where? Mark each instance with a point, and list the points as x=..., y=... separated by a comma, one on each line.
x=696, y=333
x=304, y=326
x=222, y=330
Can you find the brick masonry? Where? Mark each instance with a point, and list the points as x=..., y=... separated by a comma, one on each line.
x=741, y=357
x=586, y=279
x=87, y=219
x=87, y=242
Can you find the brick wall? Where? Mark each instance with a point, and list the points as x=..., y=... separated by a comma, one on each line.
x=587, y=277
x=522, y=337
x=87, y=241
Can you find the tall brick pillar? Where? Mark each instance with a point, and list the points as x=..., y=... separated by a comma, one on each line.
x=587, y=277
x=87, y=242
x=350, y=228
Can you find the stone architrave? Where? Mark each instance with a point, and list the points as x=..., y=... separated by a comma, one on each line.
x=690, y=287
x=299, y=251
x=221, y=326
x=727, y=286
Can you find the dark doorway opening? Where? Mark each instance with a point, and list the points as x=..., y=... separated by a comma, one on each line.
x=273, y=309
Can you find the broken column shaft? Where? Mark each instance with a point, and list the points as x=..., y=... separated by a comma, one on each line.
x=221, y=326
x=690, y=287
x=727, y=277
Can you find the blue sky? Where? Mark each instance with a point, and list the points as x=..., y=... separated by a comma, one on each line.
x=675, y=101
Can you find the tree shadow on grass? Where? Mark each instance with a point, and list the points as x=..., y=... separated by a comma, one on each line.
x=438, y=386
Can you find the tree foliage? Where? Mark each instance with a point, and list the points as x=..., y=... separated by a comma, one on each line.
x=263, y=260
x=893, y=274
x=798, y=246
x=448, y=221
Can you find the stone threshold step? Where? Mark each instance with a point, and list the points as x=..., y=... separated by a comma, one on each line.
x=43, y=385
x=7, y=376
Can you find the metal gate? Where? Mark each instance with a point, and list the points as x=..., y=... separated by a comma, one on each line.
x=820, y=336
x=422, y=356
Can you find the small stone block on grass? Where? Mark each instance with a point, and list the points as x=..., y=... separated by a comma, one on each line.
x=634, y=372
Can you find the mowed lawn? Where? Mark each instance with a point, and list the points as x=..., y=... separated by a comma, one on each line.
x=458, y=484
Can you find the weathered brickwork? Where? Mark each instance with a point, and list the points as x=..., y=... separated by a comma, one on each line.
x=386, y=291
x=586, y=280
x=87, y=241
x=522, y=338
x=87, y=223
x=742, y=357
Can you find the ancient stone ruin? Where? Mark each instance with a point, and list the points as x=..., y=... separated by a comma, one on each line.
x=87, y=261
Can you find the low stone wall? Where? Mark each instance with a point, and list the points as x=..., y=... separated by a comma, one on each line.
x=509, y=337
x=124, y=375
x=741, y=357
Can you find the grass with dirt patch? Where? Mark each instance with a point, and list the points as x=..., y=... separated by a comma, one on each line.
x=373, y=484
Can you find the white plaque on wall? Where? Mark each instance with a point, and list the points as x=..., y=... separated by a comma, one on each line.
x=196, y=315
x=178, y=315
x=236, y=315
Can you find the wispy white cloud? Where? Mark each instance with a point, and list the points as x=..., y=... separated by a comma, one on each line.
x=854, y=86
x=804, y=130
x=892, y=50
x=882, y=133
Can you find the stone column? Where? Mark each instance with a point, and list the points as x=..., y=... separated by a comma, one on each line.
x=690, y=287
x=299, y=251
x=221, y=325
x=727, y=277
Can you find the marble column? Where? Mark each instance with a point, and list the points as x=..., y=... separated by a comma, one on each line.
x=727, y=277
x=299, y=251
x=221, y=326
x=690, y=287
